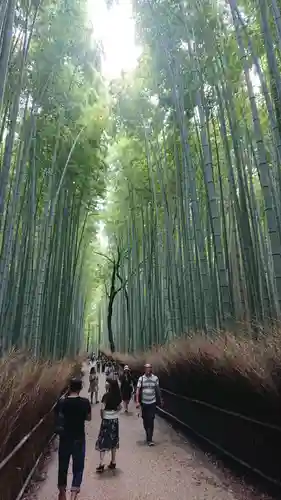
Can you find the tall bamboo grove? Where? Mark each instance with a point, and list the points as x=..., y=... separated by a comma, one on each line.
x=51, y=173
x=197, y=189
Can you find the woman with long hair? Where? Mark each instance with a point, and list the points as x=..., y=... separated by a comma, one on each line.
x=126, y=384
x=108, y=438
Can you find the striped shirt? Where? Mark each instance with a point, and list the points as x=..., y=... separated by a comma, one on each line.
x=148, y=386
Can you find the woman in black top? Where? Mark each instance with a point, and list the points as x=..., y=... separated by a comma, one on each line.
x=126, y=387
x=108, y=438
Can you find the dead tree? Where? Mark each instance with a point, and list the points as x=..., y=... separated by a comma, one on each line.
x=111, y=296
x=113, y=291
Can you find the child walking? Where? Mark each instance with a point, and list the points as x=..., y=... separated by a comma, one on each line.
x=108, y=438
x=94, y=385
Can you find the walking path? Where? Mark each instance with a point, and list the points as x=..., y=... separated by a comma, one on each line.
x=172, y=469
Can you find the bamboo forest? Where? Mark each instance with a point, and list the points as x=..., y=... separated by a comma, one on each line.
x=146, y=207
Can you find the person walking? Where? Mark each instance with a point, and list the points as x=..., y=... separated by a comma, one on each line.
x=109, y=370
x=126, y=386
x=72, y=412
x=108, y=438
x=94, y=385
x=115, y=371
x=103, y=364
x=148, y=396
x=99, y=363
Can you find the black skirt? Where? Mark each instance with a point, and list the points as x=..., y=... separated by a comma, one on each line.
x=108, y=438
x=126, y=392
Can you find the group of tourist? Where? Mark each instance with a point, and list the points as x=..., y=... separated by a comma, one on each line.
x=73, y=411
x=97, y=361
x=100, y=363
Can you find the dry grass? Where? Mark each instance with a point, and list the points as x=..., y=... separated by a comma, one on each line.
x=28, y=390
x=230, y=372
x=224, y=357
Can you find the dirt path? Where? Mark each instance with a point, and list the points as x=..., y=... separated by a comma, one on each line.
x=173, y=469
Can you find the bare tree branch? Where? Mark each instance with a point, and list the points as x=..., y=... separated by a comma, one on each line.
x=106, y=291
x=105, y=256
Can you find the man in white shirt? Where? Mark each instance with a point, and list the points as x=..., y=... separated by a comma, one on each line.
x=148, y=396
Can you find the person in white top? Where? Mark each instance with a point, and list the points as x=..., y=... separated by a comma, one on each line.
x=148, y=396
x=108, y=438
x=109, y=371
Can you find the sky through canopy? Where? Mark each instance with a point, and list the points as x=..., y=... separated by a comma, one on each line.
x=115, y=27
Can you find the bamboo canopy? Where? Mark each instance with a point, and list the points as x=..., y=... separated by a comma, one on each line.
x=51, y=173
x=195, y=173
x=179, y=160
